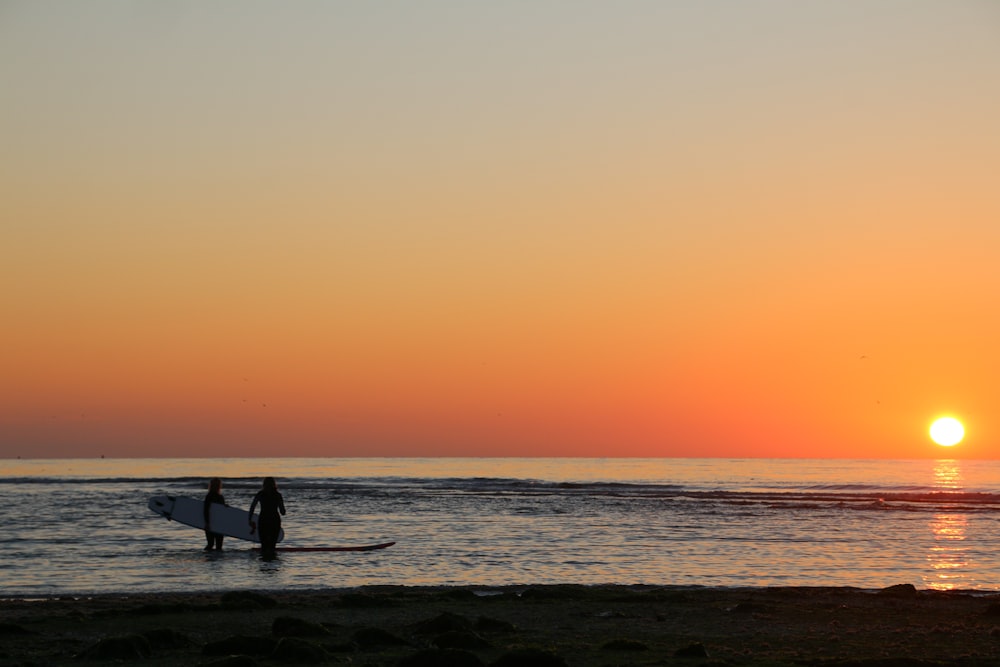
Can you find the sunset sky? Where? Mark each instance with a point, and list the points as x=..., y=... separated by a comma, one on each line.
x=565, y=228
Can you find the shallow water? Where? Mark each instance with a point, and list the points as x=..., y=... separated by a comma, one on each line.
x=82, y=526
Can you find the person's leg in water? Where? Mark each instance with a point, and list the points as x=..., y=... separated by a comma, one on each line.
x=269, y=538
x=214, y=541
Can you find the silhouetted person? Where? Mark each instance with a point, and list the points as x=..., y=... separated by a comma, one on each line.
x=271, y=503
x=214, y=496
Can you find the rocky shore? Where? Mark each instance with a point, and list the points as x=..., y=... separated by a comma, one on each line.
x=518, y=626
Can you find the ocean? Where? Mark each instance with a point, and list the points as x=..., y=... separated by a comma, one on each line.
x=82, y=526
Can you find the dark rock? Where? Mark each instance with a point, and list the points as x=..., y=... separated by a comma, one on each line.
x=529, y=657
x=157, y=609
x=651, y=595
x=296, y=651
x=436, y=657
x=557, y=592
x=167, y=638
x=287, y=626
x=899, y=591
x=232, y=661
x=458, y=594
x=485, y=624
x=345, y=647
x=364, y=601
x=247, y=600
x=371, y=637
x=624, y=645
x=446, y=622
x=696, y=650
x=130, y=647
x=460, y=639
x=240, y=645
x=12, y=629
x=887, y=662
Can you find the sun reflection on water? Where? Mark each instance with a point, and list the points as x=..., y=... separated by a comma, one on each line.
x=948, y=554
x=947, y=475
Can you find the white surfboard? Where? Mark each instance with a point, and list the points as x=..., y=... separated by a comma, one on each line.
x=225, y=520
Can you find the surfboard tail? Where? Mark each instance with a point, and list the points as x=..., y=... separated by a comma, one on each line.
x=363, y=547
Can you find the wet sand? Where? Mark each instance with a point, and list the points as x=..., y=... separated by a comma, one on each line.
x=523, y=626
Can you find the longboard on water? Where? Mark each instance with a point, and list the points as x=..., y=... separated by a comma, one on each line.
x=364, y=547
x=224, y=519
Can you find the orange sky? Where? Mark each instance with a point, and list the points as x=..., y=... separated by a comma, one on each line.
x=642, y=229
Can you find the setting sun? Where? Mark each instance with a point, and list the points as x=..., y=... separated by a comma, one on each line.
x=947, y=431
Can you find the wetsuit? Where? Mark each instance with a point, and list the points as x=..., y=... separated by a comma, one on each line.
x=214, y=539
x=269, y=523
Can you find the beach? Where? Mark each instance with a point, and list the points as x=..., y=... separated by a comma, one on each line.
x=525, y=625
x=582, y=563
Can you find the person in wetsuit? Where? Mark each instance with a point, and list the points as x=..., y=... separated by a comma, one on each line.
x=214, y=496
x=271, y=503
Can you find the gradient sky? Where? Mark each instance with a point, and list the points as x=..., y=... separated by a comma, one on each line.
x=516, y=228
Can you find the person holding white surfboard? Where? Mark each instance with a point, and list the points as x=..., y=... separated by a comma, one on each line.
x=214, y=495
x=269, y=522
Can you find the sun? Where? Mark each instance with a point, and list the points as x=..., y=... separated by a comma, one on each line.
x=947, y=431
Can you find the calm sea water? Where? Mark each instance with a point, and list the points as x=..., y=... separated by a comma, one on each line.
x=82, y=526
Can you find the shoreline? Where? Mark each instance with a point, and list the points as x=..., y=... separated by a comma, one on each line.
x=576, y=625
x=485, y=590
